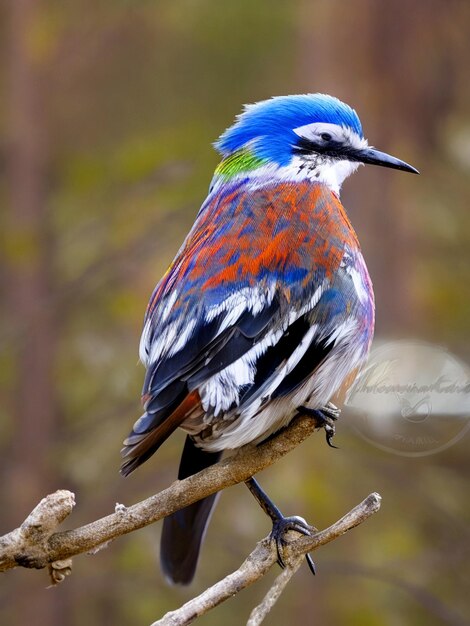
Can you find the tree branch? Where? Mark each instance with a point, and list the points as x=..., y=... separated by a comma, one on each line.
x=36, y=544
x=259, y=562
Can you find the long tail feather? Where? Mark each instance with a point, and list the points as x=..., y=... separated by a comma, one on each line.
x=184, y=530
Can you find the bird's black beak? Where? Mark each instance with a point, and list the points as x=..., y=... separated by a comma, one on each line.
x=371, y=156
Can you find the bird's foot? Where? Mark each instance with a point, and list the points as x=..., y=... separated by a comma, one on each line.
x=281, y=526
x=331, y=410
x=325, y=418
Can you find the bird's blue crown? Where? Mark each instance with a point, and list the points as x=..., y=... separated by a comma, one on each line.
x=267, y=128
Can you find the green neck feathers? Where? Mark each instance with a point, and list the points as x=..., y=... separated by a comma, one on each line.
x=238, y=163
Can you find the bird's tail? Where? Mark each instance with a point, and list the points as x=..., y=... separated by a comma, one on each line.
x=184, y=530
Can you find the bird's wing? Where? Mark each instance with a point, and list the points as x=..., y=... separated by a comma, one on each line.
x=241, y=297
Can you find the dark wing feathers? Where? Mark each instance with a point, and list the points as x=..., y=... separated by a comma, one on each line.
x=205, y=339
x=276, y=355
x=207, y=345
x=171, y=381
x=315, y=354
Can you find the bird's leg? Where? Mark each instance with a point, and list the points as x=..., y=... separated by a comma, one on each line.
x=325, y=417
x=281, y=524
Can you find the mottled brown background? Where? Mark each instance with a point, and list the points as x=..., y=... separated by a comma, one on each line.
x=108, y=110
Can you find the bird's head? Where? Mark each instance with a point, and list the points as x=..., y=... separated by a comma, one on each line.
x=311, y=136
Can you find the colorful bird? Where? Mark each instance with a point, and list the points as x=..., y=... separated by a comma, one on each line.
x=266, y=309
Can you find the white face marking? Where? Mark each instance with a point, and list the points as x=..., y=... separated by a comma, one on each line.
x=327, y=170
x=341, y=134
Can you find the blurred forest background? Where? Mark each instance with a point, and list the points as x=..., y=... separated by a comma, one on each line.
x=108, y=110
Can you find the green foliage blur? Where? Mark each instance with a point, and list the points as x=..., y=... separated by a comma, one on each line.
x=108, y=111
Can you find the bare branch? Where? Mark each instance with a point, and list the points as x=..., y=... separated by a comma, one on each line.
x=258, y=614
x=259, y=562
x=36, y=544
x=27, y=544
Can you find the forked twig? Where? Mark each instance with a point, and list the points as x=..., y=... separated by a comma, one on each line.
x=259, y=562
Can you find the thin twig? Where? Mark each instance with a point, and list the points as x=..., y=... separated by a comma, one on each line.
x=263, y=557
x=258, y=614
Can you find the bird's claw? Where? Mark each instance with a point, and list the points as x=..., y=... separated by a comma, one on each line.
x=330, y=432
x=283, y=525
x=331, y=410
x=325, y=418
x=311, y=564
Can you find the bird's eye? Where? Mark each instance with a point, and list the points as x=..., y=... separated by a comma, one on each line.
x=326, y=136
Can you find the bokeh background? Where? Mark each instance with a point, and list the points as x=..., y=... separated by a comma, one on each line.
x=108, y=110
